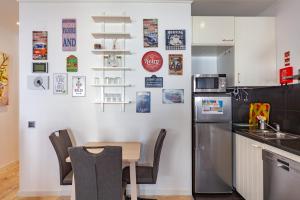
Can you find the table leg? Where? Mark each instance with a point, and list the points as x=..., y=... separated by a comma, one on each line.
x=133, y=181
x=73, y=190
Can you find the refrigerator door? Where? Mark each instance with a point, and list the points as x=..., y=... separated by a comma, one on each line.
x=212, y=108
x=212, y=158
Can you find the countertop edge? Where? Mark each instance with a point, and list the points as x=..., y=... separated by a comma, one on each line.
x=268, y=142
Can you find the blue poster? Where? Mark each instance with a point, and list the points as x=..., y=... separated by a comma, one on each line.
x=143, y=102
x=175, y=40
x=154, y=82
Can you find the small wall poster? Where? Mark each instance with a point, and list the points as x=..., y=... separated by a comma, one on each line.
x=78, y=86
x=69, y=35
x=175, y=64
x=175, y=40
x=72, y=64
x=143, y=102
x=60, y=83
x=38, y=82
x=40, y=45
x=150, y=32
x=172, y=96
x=3, y=79
x=154, y=82
x=152, y=61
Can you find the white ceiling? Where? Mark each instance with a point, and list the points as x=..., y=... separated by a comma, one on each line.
x=9, y=14
x=230, y=7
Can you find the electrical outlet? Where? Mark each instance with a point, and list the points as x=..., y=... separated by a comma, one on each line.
x=31, y=124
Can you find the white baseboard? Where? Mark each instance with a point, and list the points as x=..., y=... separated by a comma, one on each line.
x=43, y=193
x=161, y=192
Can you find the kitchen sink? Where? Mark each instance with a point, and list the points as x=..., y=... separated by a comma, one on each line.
x=270, y=134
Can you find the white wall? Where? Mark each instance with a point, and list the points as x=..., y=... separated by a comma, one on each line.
x=288, y=30
x=204, y=65
x=39, y=165
x=9, y=114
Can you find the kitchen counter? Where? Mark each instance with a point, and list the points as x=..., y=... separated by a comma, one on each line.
x=291, y=146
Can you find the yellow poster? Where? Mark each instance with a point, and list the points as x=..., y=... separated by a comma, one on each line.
x=3, y=79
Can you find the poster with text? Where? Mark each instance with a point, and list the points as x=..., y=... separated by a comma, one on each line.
x=60, y=83
x=3, y=79
x=78, y=86
x=175, y=64
x=175, y=40
x=150, y=33
x=69, y=42
x=172, y=96
x=143, y=102
x=40, y=45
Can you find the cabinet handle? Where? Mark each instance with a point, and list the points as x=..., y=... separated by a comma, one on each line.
x=256, y=146
x=225, y=40
x=239, y=78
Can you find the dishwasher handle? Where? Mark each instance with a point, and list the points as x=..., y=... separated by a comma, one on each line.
x=283, y=165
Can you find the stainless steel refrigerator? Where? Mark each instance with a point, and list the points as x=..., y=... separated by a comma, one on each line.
x=212, y=143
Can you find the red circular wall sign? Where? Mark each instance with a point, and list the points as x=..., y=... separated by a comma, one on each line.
x=152, y=61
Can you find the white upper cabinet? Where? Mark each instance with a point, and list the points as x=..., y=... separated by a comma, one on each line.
x=255, y=52
x=213, y=31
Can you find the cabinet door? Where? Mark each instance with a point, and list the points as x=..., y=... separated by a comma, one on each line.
x=213, y=31
x=255, y=51
x=249, y=168
x=255, y=182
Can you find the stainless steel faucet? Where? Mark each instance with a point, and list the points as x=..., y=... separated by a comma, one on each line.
x=277, y=127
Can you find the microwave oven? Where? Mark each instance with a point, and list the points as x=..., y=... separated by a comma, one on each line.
x=209, y=83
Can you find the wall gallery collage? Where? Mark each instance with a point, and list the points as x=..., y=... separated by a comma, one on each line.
x=113, y=60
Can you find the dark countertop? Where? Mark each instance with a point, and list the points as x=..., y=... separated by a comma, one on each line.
x=291, y=146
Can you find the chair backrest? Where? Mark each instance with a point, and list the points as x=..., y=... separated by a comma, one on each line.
x=97, y=176
x=61, y=142
x=157, y=152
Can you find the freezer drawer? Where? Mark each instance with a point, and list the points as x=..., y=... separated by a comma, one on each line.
x=212, y=108
x=281, y=177
x=212, y=158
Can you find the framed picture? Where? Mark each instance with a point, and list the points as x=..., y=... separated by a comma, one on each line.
x=38, y=82
x=143, y=102
x=4, y=95
x=150, y=33
x=39, y=67
x=172, y=96
x=175, y=64
x=69, y=42
x=78, y=86
x=175, y=40
x=60, y=83
x=39, y=45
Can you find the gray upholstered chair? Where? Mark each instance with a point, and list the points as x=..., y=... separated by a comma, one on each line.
x=97, y=176
x=61, y=142
x=148, y=174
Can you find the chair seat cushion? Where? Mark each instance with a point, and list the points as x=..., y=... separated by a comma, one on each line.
x=144, y=175
x=68, y=179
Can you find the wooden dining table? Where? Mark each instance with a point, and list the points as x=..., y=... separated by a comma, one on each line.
x=131, y=152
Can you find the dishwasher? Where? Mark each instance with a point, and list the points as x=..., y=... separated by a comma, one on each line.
x=281, y=177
